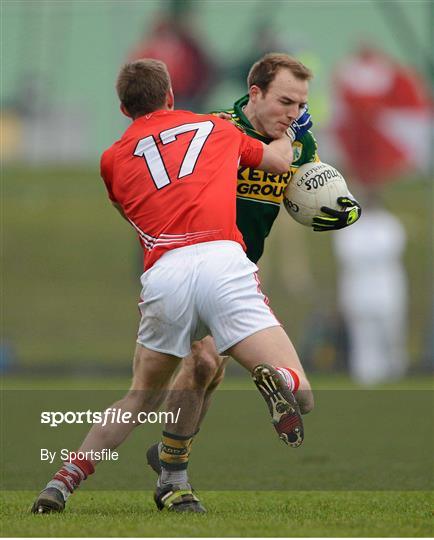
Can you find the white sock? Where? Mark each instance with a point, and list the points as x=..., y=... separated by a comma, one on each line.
x=67, y=479
x=172, y=477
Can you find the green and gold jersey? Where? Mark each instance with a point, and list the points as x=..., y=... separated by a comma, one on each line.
x=259, y=194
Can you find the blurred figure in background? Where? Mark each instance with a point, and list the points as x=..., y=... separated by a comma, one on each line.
x=372, y=290
x=264, y=40
x=173, y=40
x=377, y=101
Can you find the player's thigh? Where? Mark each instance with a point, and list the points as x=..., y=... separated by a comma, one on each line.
x=268, y=346
x=231, y=303
x=166, y=305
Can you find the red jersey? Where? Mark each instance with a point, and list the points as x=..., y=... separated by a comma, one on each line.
x=174, y=173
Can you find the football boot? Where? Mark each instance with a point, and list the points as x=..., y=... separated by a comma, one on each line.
x=177, y=498
x=153, y=458
x=49, y=500
x=283, y=407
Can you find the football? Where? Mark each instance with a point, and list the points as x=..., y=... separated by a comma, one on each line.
x=312, y=186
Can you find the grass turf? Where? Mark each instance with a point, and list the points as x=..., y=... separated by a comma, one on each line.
x=349, y=465
x=267, y=514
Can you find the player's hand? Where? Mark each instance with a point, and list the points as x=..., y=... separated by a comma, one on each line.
x=224, y=115
x=338, y=219
x=299, y=127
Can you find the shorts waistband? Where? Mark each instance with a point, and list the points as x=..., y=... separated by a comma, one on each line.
x=202, y=247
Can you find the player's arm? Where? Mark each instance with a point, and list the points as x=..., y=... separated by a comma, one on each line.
x=277, y=156
x=106, y=171
x=283, y=146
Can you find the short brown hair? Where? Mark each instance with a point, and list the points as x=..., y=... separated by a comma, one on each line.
x=142, y=86
x=263, y=71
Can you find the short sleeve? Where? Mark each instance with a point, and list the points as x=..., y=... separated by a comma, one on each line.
x=251, y=151
x=106, y=171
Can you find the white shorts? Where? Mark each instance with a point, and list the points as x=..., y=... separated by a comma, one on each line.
x=194, y=291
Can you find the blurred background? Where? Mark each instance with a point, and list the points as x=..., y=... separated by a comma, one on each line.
x=357, y=302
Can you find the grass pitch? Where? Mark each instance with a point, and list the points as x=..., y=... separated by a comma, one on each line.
x=264, y=514
x=336, y=504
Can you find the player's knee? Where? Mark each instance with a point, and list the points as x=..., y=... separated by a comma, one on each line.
x=204, y=364
x=137, y=400
x=218, y=377
x=133, y=402
x=304, y=397
x=307, y=405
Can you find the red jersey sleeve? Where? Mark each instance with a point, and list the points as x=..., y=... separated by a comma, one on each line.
x=251, y=151
x=106, y=171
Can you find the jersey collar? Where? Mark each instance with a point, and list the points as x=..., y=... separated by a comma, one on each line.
x=244, y=121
